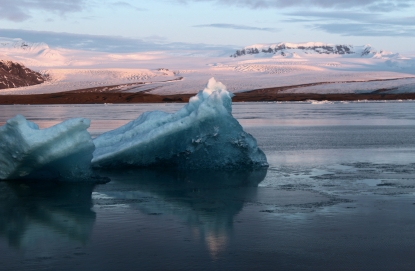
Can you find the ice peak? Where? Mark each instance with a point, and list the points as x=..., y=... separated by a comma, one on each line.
x=212, y=86
x=213, y=94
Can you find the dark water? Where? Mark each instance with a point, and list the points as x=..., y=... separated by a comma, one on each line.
x=338, y=195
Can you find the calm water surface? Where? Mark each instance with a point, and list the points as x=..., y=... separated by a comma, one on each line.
x=338, y=195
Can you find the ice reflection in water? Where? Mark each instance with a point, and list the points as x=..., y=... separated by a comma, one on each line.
x=31, y=213
x=206, y=200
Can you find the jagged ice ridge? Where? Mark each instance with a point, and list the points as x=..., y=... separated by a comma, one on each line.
x=203, y=134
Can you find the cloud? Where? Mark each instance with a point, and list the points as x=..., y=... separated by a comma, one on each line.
x=19, y=10
x=367, y=30
x=360, y=17
x=387, y=6
x=102, y=43
x=356, y=23
x=338, y=15
x=80, y=41
x=123, y=4
x=378, y=5
x=237, y=27
x=14, y=15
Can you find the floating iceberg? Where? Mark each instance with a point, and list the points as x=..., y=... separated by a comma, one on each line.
x=61, y=152
x=203, y=134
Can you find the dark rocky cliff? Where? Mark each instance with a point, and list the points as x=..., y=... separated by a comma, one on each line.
x=13, y=75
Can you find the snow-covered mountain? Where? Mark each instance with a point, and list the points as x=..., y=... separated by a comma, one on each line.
x=308, y=49
x=29, y=52
x=178, y=70
x=22, y=46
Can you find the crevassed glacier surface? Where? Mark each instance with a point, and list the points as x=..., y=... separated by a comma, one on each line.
x=203, y=134
x=62, y=152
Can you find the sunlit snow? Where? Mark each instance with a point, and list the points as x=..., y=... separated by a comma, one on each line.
x=175, y=71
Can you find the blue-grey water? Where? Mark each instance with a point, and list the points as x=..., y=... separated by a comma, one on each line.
x=338, y=195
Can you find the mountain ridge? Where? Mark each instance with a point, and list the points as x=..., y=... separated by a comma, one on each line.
x=298, y=50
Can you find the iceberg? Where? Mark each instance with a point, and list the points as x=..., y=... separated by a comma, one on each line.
x=62, y=152
x=203, y=134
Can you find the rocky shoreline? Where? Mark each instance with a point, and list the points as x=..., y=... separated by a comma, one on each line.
x=250, y=96
x=117, y=94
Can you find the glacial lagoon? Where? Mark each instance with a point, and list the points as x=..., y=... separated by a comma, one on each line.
x=339, y=194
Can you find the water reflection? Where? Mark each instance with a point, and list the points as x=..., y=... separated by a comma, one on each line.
x=207, y=201
x=32, y=213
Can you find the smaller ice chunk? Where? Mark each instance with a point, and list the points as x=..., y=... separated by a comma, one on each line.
x=203, y=134
x=62, y=152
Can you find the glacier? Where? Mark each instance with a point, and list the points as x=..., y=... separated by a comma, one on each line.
x=203, y=134
x=62, y=152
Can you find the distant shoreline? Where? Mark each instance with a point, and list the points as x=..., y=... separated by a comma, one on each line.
x=251, y=96
x=115, y=94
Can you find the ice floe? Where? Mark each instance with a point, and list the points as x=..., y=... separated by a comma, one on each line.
x=203, y=134
x=63, y=151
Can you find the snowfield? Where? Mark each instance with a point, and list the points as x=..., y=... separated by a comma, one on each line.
x=339, y=68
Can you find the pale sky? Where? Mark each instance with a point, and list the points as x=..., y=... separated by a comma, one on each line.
x=112, y=25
